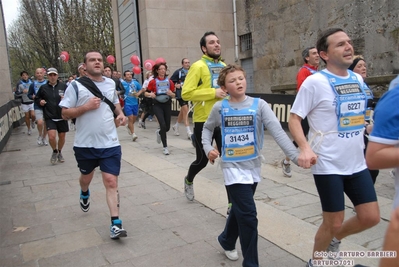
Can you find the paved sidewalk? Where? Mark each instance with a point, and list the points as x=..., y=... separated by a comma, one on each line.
x=42, y=224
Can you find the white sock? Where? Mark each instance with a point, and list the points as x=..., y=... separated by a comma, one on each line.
x=286, y=162
x=188, y=128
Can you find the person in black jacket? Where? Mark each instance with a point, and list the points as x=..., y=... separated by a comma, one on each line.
x=48, y=97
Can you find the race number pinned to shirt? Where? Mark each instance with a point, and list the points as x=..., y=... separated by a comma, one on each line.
x=214, y=69
x=239, y=132
x=350, y=101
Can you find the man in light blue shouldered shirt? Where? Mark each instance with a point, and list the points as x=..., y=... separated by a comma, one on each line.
x=334, y=102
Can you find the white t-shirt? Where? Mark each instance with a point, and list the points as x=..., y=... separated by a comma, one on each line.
x=95, y=128
x=338, y=152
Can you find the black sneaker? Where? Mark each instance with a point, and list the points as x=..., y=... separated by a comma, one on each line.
x=116, y=230
x=85, y=201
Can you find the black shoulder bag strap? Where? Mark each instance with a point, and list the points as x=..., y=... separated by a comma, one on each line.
x=92, y=87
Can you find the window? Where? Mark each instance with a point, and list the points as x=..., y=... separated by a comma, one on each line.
x=246, y=42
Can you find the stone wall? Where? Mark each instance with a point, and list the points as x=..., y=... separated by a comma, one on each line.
x=281, y=29
x=5, y=86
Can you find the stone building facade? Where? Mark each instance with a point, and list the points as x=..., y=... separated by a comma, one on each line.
x=169, y=29
x=269, y=35
x=280, y=30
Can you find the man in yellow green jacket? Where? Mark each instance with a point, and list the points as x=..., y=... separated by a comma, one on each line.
x=200, y=87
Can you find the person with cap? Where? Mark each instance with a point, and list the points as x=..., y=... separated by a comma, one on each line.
x=311, y=58
x=81, y=70
x=33, y=89
x=359, y=66
x=48, y=97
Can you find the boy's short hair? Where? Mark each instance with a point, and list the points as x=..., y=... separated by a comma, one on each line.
x=23, y=72
x=226, y=70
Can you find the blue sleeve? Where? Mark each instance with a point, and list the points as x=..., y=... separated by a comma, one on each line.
x=138, y=85
x=386, y=116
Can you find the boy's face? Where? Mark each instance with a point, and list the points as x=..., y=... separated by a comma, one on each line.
x=235, y=84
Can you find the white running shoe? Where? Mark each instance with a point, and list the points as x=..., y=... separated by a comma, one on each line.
x=39, y=141
x=230, y=254
x=29, y=132
x=134, y=137
x=286, y=168
x=176, y=129
x=189, y=133
x=188, y=189
x=165, y=151
x=128, y=130
x=158, y=136
x=44, y=141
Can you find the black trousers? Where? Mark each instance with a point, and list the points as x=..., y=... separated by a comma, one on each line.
x=163, y=112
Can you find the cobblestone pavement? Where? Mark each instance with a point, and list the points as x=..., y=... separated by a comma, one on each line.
x=42, y=224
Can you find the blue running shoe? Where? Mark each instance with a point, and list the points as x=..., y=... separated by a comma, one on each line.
x=116, y=230
x=85, y=201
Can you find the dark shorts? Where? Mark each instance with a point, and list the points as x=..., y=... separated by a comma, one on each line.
x=331, y=187
x=182, y=102
x=60, y=126
x=109, y=159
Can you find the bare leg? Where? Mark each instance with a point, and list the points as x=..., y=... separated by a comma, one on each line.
x=367, y=215
x=85, y=181
x=332, y=222
x=111, y=187
x=27, y=120
x=61, y=140
x=52, y=139
x=391, y=241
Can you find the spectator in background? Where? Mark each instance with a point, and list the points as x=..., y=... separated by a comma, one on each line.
x=161, y=90
x=359, y=66
x=33, y=89
x=178, y=78
x=21, y=92
x=48, y=97
x=311, y=58
x=131, y=108
x=120, y=90
x=146, y=104
x=70, y=79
